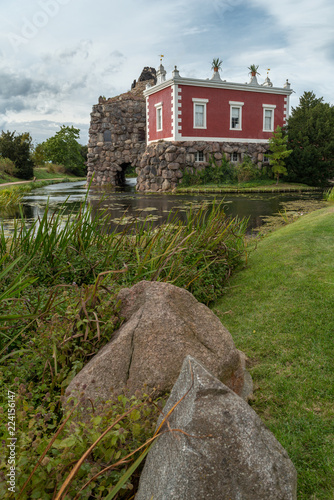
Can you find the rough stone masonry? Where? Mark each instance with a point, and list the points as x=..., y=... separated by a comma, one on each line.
x=117, y=140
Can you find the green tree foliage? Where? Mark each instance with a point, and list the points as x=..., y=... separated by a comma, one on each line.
x=311, y=138
x=38, y=155
x=63, y=148
x=278, y=153
x=18, y=148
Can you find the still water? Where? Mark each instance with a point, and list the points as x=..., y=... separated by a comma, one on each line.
x=129, y=204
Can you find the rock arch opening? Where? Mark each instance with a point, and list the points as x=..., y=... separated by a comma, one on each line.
x=120, y=177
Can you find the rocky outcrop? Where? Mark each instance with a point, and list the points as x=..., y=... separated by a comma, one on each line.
x=223, y=452
x=163, y=163
x=163, y=324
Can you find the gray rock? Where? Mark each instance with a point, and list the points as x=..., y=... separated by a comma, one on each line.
x=163, y=323
x=224, y=453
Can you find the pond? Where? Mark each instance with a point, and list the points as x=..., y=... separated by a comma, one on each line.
x=126, y=203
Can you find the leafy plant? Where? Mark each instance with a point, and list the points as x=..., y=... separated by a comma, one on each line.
x=216, y=63
x=253, y=69
x=247, y=171
x=329, y=195
x=278, y=153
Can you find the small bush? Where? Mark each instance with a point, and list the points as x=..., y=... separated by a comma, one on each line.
x=54, y=168
x=247, y=171
x=216, y=173
x=8, y=166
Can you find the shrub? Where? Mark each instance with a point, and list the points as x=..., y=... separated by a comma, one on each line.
x=54, y=168
x=216, y=173
x=8, y=166
x=247, y=171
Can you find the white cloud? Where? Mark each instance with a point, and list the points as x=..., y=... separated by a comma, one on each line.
x=65, y=58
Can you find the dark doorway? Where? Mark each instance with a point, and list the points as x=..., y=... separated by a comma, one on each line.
x=121, y=174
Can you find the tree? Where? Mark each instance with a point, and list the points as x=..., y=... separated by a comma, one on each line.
x=38, y=155
x=18, y=148
x=63, y=148
x=311, y=138
x=278, y=153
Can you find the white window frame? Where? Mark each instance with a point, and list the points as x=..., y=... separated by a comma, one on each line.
x=237, y=155
x=197, y=157
x=238, y=105
x=200, y=102
x=158, y=110
x=268, y=107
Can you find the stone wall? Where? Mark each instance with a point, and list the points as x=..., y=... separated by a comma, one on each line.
x=163, y=163
x=117, y=140
x=117, y=134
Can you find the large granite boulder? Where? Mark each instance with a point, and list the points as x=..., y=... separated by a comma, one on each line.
x=224, y=453
x=163, y=323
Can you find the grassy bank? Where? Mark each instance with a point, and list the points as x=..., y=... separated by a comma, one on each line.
x=11, y=195
x=279, y=310
x=42, y=173
x=259, y=186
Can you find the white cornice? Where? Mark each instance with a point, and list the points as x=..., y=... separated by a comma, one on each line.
x=212, y=139
x=217, y=85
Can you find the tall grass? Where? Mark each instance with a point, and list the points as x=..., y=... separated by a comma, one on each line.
x=198, y=255
x=9, y=199
x=329, y=195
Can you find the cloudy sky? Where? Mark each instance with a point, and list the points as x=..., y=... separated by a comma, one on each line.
x=58, y=56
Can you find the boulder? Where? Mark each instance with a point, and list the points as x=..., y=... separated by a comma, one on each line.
x=163, y=323
x=223, y=452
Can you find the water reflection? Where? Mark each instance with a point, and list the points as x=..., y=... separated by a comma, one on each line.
x=157, y=207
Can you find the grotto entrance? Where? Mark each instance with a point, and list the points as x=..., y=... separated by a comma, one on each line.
x=120, y=175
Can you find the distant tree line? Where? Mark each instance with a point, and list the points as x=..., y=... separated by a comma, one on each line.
x=303, y=151
x=18, y=156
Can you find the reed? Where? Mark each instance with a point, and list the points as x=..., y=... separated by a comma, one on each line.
x=76, y=247
x=9, y=199
x=329, y=195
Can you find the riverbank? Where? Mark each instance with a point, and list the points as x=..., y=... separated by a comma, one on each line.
x=40, y=175
x=248, y=187
x=279, y=310
x=24, y=186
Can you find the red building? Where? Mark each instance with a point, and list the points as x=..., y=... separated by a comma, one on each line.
x=191, y=121
x=188, y=109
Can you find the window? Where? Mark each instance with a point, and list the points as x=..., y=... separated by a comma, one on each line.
x=234, y=157
x=107, y=136
x=199, y=156
x=158, y=108
x=265, y=159
x=268, y=117
x=235, y=115
x=200, y=112
x=199, y=115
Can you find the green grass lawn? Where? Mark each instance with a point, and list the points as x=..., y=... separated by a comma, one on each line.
x=280, y=312
x=249, y=186
x=42, y=173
